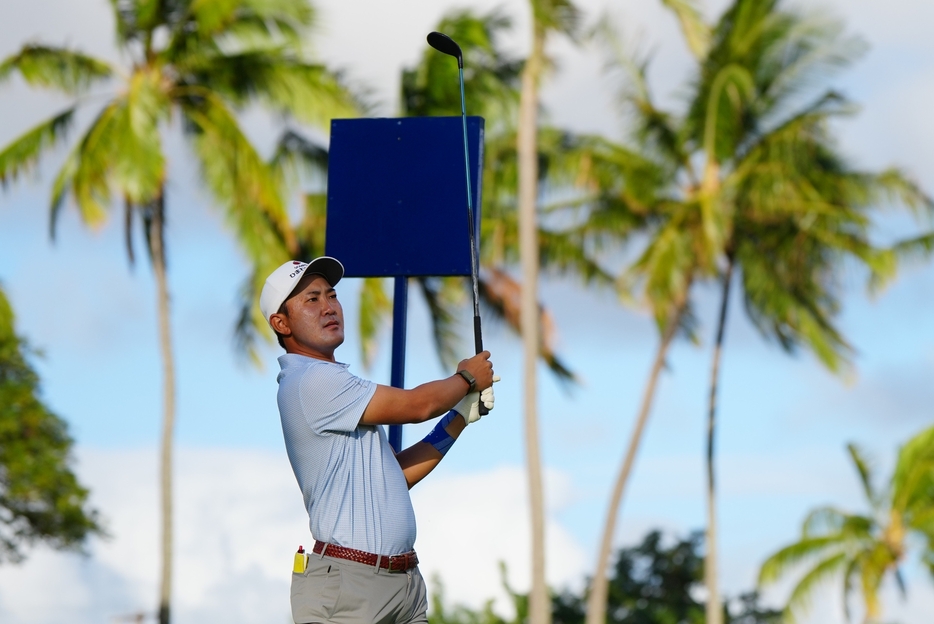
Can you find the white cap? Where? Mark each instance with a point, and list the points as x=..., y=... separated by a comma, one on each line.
x=280, y=284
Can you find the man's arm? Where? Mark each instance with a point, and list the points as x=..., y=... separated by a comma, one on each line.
x=395, y=406
x=421, y=458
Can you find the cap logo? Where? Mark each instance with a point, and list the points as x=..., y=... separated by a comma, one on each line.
x=298, y=270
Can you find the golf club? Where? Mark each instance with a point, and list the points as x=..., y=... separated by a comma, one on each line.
x=444, y=44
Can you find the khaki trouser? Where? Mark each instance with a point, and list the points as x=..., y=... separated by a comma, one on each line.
x=337, y=591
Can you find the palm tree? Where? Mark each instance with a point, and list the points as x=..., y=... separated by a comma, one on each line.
x=796, y=211
x=864, y=549
x=194, y=62
x=772, y=197
x=642, y=191
x=548, y=16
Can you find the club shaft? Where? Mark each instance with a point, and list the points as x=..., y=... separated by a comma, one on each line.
x=474, y=263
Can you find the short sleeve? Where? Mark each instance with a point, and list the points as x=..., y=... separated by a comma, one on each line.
x=334, y=399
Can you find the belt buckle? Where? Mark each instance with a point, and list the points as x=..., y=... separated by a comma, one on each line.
x=403, y=558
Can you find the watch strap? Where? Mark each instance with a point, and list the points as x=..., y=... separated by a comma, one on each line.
x=470, y=379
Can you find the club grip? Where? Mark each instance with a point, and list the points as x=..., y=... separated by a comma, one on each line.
x=478, y=343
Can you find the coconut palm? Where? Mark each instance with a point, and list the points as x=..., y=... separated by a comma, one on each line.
x=548, y=17
x=193, y=63
x=862, y=550
x=796, y=211
x=652, y=189
x=771, y=196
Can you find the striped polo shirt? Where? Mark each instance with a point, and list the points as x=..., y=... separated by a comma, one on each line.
x=354, y=489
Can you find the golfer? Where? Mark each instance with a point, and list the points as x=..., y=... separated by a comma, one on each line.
x=362, y=568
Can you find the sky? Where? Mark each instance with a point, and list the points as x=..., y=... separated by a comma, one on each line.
x=784, y=421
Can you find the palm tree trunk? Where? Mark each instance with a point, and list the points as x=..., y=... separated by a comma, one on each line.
x=714, y=604
x=527, y=147
x=156, y=240
x=596, y=601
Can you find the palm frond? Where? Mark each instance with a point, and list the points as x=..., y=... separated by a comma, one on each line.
x=560, y=16
x=851, y=572
x=312, y=228
x=138, y=164
x=915, y=248
x=864, y=468
x=278, y=78
x=807, y=48
x=696, y=32
x=895, y=185
x=56, y=68
x=297, y=156
x=490, y=82
x=823, y=521
x=23, y=153
x=375, y=307
x=248, y=328
x=236, y=175
x=564, y=253
x=500, y=294
x=655, y=130
x=85, y=172
x=913, y=479
x=800, y=600
x=206, y=23
x=444, y=296
x=668, y=264
x=793, y=555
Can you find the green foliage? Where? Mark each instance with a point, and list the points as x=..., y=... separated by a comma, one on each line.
x=208, y=60
x=652, y=583
x=40, y=497
x=749, y=174
x=696, y=32
x=863, y=549
x=57, y=68
x=491, y=78
x=23, y=154
x=201, y=62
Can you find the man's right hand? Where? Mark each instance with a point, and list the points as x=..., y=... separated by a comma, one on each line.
x=481, y=368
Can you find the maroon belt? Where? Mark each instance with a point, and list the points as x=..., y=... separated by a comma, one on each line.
x=391, y=563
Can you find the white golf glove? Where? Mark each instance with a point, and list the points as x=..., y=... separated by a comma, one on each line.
x=469, y=406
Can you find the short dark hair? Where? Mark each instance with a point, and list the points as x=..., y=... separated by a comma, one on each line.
x=284, y=311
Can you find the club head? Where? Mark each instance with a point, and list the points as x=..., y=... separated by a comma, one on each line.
x=443, y=43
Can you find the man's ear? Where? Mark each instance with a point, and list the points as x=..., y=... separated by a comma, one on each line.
x=280, y=323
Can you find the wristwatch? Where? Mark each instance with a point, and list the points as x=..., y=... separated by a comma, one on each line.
x=470, y=379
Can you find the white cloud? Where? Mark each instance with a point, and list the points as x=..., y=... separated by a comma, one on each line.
x=239, y=518
x=469, y=523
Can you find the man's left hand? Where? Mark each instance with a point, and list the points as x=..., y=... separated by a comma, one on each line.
x=469, y=406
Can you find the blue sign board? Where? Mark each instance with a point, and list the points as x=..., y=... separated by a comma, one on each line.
x=397, y=195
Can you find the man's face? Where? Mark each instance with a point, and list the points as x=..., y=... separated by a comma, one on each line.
x=315, y=318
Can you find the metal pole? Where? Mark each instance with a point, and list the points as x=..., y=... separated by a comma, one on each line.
x=397, y=376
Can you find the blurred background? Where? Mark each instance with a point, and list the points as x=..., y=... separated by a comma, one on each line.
x=784, y=418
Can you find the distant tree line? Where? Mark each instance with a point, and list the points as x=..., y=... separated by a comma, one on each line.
x=658, y=581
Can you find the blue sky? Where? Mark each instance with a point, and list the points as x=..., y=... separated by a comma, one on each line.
x=784, y=420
